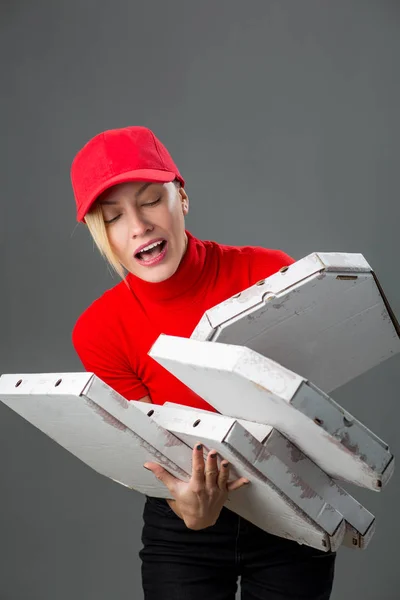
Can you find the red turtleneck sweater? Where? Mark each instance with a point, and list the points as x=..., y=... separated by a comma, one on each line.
x=113, y=336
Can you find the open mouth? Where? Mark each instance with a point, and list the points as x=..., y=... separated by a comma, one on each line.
x=151, y=251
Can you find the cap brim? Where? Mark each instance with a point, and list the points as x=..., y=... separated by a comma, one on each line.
x=155, y=176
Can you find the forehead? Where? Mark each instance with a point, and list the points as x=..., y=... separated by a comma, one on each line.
x=130, y=189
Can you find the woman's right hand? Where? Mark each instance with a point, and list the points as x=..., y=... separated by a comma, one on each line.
x=199, y=501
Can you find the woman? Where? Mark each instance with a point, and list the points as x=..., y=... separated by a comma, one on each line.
x=132, y=197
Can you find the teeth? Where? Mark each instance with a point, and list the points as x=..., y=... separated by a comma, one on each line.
x=150, y=246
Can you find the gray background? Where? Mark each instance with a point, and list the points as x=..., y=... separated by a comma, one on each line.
x=283, y=117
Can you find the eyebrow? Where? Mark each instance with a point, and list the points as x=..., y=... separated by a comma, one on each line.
x=140, y=191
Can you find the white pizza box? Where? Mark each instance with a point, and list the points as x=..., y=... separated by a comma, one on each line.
x=360, y=522
x=115, y=438
x=284, y=466
x=274, y=500
x=240, y=383
x=325, y=317
x=81, y=413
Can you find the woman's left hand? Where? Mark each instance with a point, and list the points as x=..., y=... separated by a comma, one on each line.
x=200, y=500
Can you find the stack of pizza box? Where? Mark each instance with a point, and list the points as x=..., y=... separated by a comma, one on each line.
x=265, y=360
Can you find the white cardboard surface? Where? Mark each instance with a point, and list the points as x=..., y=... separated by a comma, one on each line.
x=242, y=384
x=317, y=318
x=278, y=459
x=115, y=438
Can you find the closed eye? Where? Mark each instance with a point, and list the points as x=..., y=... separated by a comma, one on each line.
x=112, y=220
x=109, y=221
x=152, y=203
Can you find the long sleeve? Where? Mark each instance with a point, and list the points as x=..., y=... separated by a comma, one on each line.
x=99, y=348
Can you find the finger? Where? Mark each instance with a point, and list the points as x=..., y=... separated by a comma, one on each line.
x=163, y=475
x=223, y=475
x=238, y=483
x=198, y=465
x=211, y=470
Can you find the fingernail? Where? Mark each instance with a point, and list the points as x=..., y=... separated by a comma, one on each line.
x=199, y=447
x=225, y=465
x=246, y=482
x=144, y=466
x=213, y=455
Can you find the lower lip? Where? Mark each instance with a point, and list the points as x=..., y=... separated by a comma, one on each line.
x=156, y=260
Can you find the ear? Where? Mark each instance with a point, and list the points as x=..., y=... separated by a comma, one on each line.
x=184, y=201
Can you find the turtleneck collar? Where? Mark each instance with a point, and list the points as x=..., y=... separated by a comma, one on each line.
x=181, y=284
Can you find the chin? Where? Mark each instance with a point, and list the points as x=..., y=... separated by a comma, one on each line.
x=155, y=279
x=156, y=275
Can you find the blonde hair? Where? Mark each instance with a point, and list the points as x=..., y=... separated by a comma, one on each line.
x=95, y=222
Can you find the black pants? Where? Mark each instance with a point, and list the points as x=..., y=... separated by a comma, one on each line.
x=181, y=564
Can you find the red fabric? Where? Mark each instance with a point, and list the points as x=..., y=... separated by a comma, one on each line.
x=113, y=336
x=116, y=156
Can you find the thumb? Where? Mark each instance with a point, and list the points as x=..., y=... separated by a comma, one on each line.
x=163, y=475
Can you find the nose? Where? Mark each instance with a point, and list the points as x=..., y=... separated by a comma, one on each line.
x=138, y=225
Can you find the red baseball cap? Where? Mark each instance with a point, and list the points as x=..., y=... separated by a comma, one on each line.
x=116, y=156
